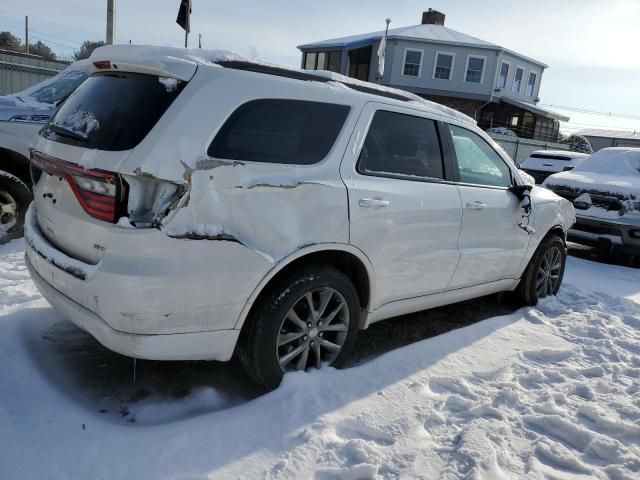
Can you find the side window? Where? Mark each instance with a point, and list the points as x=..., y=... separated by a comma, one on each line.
x=478, y=163
x=399, y=144
x=280, y=131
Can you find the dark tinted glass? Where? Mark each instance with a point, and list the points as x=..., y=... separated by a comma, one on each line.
x=402, y=145
x=280, y=131
x=113, y=111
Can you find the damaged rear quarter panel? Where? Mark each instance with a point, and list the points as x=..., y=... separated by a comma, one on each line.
x=272, y=209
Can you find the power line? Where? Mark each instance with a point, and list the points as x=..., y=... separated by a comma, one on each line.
x=40, y=20
x=593, y=112
x=45, y=40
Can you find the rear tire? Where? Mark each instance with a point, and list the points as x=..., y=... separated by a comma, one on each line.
x=307, y=320
x=545, y=271
x=15, y=198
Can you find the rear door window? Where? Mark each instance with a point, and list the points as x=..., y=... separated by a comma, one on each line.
x=402, y=145
x=478, y=163
x=280, y=131
x=113, y=111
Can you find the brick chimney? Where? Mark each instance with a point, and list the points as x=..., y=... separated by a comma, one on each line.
x=432, y=17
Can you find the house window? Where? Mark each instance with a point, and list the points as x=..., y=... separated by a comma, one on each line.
x=531, y=84
x=443, y=66
x=323, y=61
x=310, y=60
x=475, y=69
x=412, y=62
x=517, y=79
x=504, y=74
x=359, y=60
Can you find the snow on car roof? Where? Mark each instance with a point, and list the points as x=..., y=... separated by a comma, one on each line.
x=621, y=161
x=160, y=57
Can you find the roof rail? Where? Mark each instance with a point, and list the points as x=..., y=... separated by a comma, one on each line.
x=300, y=75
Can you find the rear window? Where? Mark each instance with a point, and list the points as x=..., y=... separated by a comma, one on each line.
x=280, y=131
x=113, y=111
x=550, y=157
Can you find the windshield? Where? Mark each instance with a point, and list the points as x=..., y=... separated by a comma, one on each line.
x=57, y=88
x=113, y=111
x=613, y=161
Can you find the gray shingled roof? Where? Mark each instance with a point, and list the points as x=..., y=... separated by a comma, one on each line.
x=425, y=32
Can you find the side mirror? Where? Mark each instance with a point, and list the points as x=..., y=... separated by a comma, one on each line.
x=521, y=191
x=523, y=194
x=518, y=166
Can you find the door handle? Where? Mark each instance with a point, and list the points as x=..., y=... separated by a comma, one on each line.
x=476, y=205
x=373, y=203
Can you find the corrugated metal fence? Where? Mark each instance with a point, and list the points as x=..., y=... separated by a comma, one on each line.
x=520, y=148
x=20, y=70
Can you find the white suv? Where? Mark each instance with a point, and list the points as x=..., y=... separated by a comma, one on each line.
x=192, y=207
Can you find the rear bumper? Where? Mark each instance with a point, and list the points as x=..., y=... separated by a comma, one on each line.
x=150, y=296
x=614, y=236
x=214, y=345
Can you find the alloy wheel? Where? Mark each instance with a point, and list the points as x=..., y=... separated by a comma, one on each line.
x=8, y=211
x=548, y=274
x=313, y=331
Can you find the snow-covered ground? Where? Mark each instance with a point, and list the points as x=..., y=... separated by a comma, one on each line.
x=550, y=392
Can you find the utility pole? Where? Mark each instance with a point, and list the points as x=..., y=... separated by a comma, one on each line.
x=26, y=32
x=199, y=40
x=111, y=21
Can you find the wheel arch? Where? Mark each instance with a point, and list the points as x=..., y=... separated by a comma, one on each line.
x=346, y=258
x=15, y=163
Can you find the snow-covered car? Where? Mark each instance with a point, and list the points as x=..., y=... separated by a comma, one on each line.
x=21, y=116
x=502, y=131
x=191, y=204
x=542, y=163
x=605, y=190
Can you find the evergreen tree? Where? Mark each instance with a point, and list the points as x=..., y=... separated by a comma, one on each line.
x=8, y=41
x=578, y=143
x=87, y=48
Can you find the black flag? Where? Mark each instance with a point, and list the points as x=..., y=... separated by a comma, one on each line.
x=183, y=15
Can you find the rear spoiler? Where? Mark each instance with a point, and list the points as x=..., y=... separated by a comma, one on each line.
x=123, y=58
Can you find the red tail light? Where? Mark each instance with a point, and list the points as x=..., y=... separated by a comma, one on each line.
x=102, y=64
x=101, y=194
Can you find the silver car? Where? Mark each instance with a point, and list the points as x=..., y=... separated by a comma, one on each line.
x=192, y=205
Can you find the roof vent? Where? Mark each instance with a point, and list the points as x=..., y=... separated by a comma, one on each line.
x=432, y=17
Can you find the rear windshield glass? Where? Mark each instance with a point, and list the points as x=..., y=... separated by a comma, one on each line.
x=280, y=131
x=550, y=157
x=113, y=111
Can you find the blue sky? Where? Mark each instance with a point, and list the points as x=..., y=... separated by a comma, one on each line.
x=589, y=44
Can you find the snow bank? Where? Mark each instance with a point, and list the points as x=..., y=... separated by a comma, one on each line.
x=548, y=392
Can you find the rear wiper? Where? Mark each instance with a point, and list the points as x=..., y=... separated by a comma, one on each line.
x=66, y=133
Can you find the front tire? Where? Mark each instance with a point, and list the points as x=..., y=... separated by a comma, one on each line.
x=15, y=198
x=545, y=271
x=307, y=320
